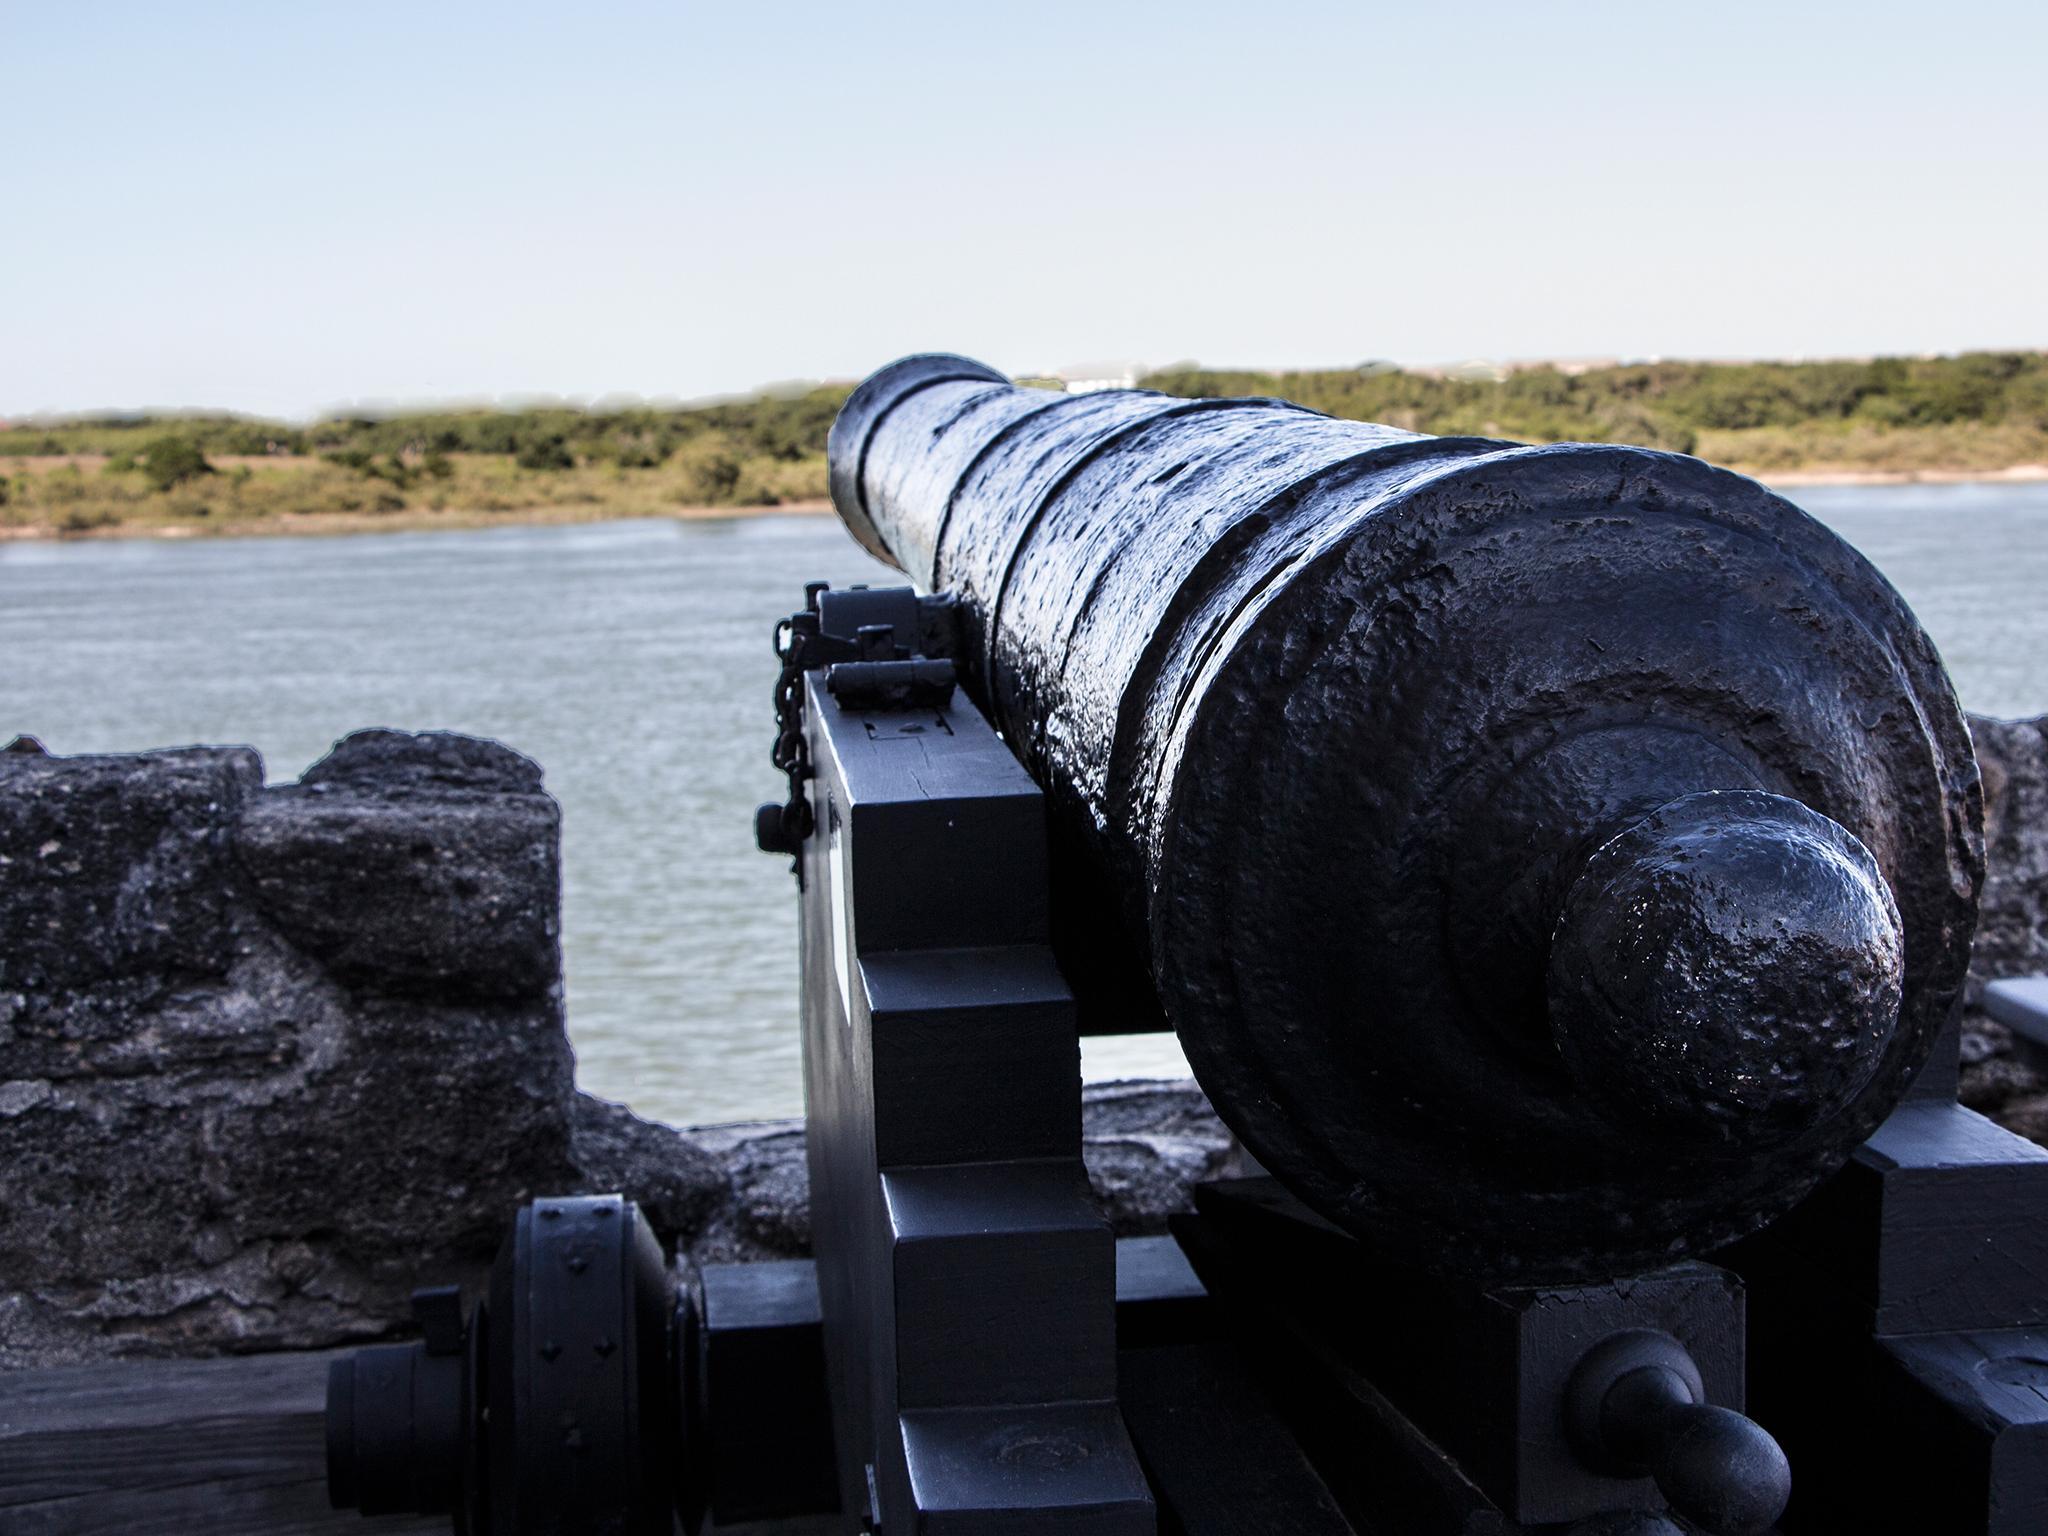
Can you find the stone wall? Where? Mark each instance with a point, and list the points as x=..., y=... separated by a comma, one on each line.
x=2001, y=1077
x=271, y=1056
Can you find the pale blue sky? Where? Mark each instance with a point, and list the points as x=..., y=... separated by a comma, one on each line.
x=288, y=207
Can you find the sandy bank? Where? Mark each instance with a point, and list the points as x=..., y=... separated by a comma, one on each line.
x=2016, y=474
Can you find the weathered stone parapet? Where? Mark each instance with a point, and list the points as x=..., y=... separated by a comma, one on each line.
x=422, y=866
x=2000, y=1076
x=267, y=1052
x=271, y=1056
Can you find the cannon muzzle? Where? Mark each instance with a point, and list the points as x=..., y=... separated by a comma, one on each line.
x=1554, y=860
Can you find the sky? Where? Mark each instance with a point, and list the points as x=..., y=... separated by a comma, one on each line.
x=292, y=209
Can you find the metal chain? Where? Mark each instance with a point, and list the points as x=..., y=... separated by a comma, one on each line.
x=790, y=754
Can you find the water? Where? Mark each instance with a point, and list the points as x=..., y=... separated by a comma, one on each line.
x=1971, y=559
x=631, y=659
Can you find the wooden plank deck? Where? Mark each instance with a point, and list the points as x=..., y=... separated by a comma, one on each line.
x=229, y=1447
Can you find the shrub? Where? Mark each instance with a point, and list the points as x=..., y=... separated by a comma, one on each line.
x=549, y=452
x=2026, y=399
x=773, y=482
x=708, y=470
x=1618, y=423
x=249, y=439
x=632, y=452
x=173, y=460
x=63, y=485
x=392, y=469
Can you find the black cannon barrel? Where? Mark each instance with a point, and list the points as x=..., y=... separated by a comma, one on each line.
x=1554, y=860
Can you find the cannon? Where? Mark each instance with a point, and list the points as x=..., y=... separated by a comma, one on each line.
x=1559, y=866
x=1551, y=859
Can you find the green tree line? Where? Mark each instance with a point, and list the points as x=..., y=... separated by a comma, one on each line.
x=784, y=426
x=1662, y=405
x=1973, y=412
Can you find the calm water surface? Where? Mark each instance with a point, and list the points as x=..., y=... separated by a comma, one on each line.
x=632, y=661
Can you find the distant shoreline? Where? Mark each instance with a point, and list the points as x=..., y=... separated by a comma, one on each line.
x=456, y=520
x=1871, y=421
x=2016, y=474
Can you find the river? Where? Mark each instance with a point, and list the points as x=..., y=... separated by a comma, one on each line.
x=632, y=661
